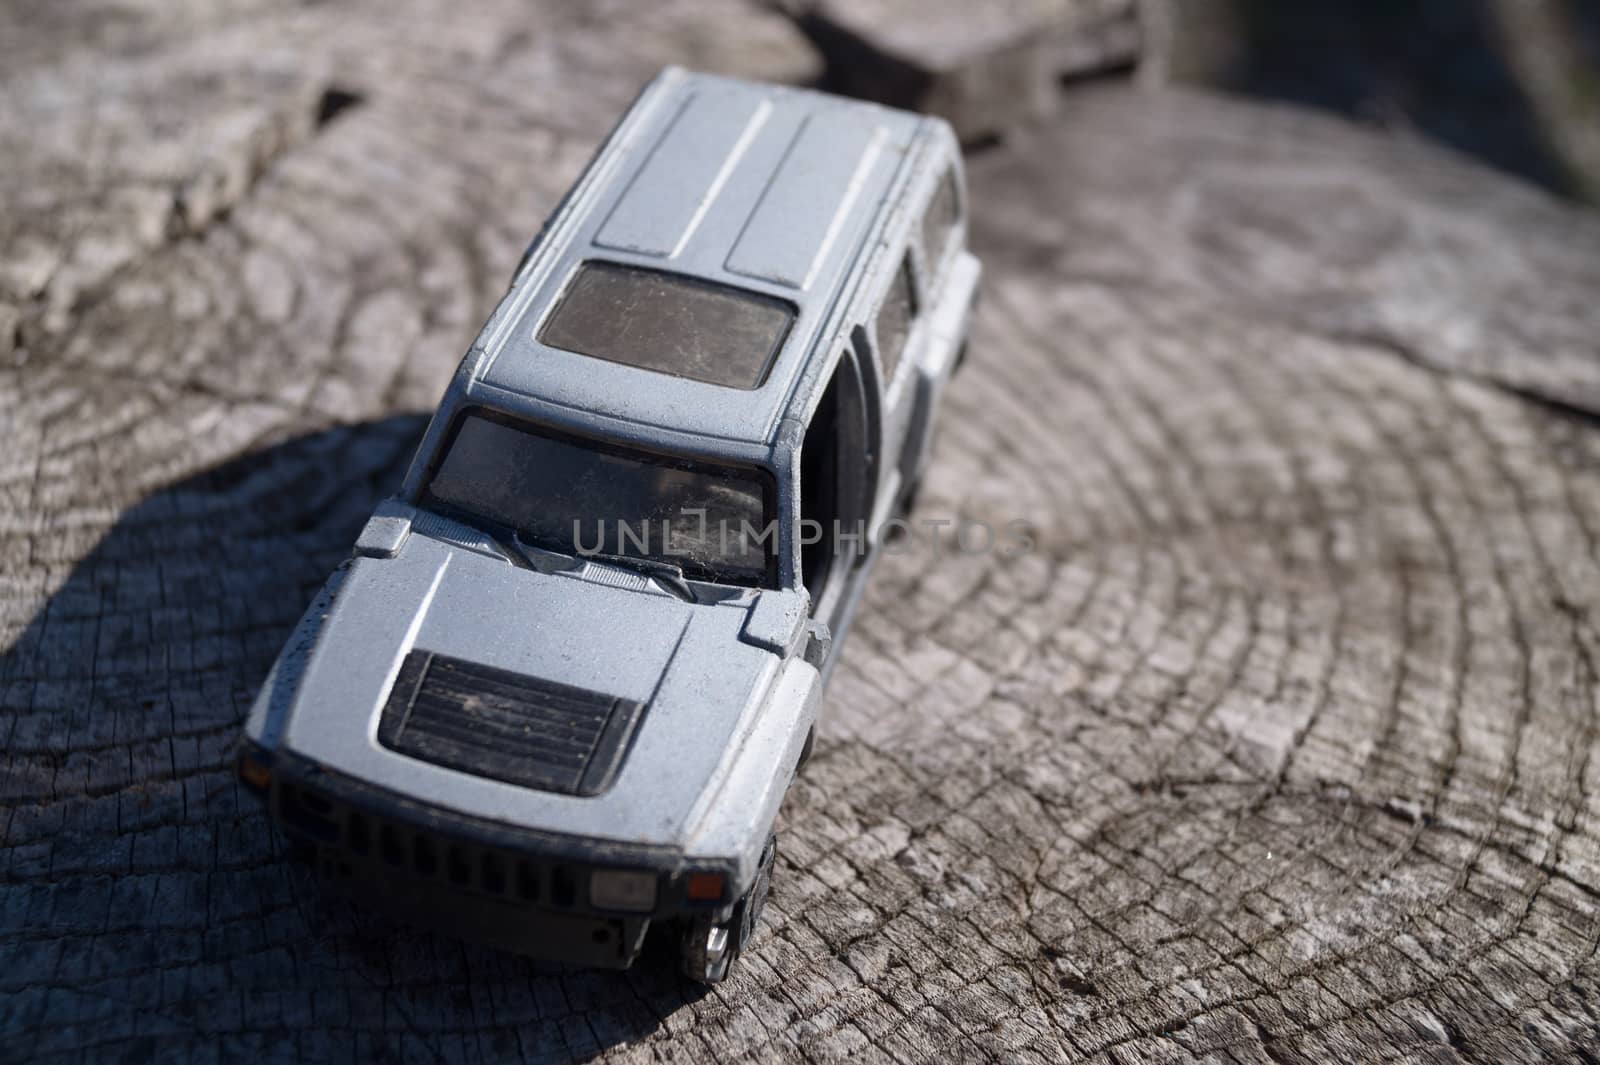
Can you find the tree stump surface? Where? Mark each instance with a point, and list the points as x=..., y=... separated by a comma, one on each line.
x=1278, y=747
x=980, y=73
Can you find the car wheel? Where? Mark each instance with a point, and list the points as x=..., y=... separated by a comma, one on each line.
x=908, y=499
x=755, y=900
x=805, y=752
x=707, y=951
x=711, y=947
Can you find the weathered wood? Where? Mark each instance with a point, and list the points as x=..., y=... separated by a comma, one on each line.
x=1510, y=82
x=1278, y=747
x=1283, y=215
x=982, y=69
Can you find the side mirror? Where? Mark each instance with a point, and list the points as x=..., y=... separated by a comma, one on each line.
x=819, y=641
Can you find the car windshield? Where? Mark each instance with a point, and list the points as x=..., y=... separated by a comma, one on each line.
x=582, y=496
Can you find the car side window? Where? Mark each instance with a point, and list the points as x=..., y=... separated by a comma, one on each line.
x=894, y=318
x=939, y=221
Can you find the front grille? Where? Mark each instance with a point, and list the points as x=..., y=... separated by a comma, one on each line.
x=506, y=726
x=335, y=829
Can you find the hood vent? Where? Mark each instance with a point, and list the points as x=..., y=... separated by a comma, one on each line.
x=506, y=726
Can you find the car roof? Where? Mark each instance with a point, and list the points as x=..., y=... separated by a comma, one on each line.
x=769, y=189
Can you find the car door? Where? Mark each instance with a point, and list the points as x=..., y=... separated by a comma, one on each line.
x=838, y=486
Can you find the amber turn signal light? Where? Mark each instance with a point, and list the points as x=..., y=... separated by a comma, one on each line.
x=705, y=887
x=254, y=769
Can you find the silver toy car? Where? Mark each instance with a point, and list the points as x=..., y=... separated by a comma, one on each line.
x=561, y=687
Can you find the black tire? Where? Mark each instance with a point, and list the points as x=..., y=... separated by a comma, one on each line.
x=961, y=358
x=805, y=752
x=754, y=903
x=709, y=947
x=706, y=957
x=908, y=498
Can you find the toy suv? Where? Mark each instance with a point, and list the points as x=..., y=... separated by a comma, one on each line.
x=558, y=692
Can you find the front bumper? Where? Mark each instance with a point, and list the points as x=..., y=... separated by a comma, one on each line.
x=481, y=880
x=477, y=916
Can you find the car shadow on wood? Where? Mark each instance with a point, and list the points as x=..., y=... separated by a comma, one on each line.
x=138, y=868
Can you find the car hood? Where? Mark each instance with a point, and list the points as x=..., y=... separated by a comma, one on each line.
x=695, y=675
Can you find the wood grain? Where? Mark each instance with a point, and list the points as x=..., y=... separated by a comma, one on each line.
x=981, y=73
x=1277, y=748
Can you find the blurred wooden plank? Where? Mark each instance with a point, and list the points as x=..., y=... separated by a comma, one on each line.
x=1367, y=240
x=983, y=69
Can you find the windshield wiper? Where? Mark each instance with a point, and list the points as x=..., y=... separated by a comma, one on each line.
x=507, y=546
x=508, y=542
x=524, y=555
x=665, y=574
x=542, y=558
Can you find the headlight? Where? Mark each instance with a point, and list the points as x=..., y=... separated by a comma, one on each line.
x=633, y=890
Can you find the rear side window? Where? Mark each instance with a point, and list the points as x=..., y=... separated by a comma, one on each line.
x=670, y=324
x=894, y=318
x=939, y=221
